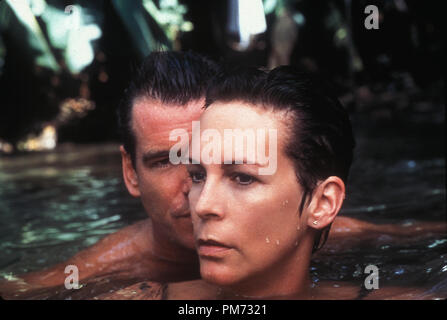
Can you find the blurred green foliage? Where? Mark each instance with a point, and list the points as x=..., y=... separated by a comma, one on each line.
x=18, y=18
x=48, y=26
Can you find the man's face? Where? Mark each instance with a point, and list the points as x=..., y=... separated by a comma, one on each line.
x=162, y=186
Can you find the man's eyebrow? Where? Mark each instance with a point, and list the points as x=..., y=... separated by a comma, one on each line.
x=150, y=155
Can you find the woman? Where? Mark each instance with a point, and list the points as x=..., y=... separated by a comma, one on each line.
x=255, y=233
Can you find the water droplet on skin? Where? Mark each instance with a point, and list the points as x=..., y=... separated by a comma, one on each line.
x=267, y=240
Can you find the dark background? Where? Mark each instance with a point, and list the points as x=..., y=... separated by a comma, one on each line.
x=400, y=79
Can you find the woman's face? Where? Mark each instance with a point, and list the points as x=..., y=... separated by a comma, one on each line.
x=247, y=226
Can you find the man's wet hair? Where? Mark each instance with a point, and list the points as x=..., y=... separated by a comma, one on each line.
x=321, y=141
x=173, y=78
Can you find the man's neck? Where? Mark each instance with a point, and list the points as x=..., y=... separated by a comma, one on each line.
x=167, y=249
x=167, y=261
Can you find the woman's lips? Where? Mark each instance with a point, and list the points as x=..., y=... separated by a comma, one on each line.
x=212, y=248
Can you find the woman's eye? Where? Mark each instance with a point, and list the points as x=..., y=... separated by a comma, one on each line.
x=243, y=179
x=197, y=177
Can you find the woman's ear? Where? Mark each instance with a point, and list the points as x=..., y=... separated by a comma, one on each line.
x=129, y=173
x=326, y=202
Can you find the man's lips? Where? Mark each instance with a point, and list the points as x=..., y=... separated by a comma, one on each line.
x=182, y=215
x=212, y=248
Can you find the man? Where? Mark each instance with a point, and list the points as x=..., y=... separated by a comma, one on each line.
x=167, y=93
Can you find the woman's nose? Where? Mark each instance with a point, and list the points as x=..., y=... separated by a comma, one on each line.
x=209, y=204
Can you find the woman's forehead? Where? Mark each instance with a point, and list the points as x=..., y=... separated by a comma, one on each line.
x=238, y=115
x=242, y=115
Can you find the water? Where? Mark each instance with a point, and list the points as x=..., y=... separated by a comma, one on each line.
x=398, y=177
x=53, y=204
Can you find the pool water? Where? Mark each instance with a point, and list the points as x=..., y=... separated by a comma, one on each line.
x=53, y=204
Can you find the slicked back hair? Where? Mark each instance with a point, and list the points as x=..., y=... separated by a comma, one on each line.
x=320, y=139
x=173, y=78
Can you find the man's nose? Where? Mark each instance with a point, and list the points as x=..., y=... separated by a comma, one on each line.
x=186, y=186
x=209, y=204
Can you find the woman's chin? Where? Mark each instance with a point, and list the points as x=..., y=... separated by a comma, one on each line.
x=219, y=277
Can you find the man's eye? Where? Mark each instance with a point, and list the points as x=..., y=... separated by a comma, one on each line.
x=197, y=177
x=161, y=163
x=243, y=179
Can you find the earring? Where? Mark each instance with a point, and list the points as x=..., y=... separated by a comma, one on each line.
x=315, y=222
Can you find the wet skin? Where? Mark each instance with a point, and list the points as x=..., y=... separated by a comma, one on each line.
x=165, y=253
x=326, y=290
x=247, y=226
x=252, y=238
x=229, y=208
x=161, y=247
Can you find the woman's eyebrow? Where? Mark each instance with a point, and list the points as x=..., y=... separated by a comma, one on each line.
x=229, y=165
x=232, y=165
x=244, y=161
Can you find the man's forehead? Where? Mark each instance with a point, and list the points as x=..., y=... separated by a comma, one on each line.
x=152, y=121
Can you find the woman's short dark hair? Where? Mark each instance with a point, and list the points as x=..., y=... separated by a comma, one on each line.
x=169, y=77
x=320, y=142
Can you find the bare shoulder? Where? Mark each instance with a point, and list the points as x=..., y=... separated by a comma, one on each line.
x=115, y=252
x=135, y=235
x=343, y=226
x=122, y=244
